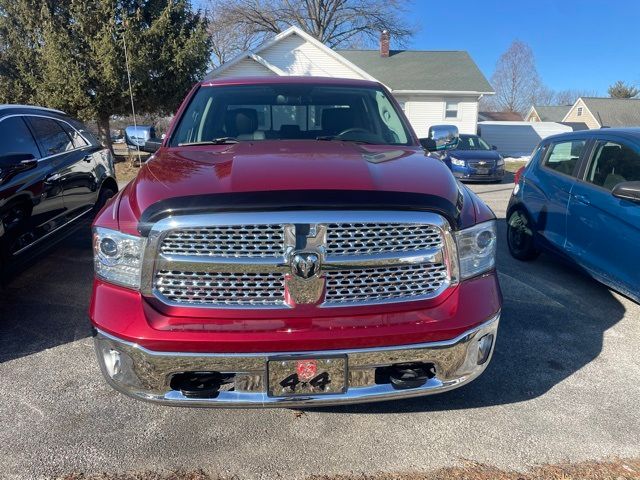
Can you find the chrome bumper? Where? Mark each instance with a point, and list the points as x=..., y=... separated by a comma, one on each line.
x=146, y=375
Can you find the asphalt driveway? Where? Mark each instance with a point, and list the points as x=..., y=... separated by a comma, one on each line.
x=563, y=386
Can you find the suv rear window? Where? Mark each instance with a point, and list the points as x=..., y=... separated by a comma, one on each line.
x=564, y=156
x=292, y=112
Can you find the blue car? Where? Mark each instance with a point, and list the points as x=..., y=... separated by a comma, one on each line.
x=473, y=159
x=579, y=197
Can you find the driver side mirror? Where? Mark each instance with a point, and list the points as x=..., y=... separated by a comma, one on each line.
x=14, y=163
x=152, y=145
x=441, y=137
x=627, y=191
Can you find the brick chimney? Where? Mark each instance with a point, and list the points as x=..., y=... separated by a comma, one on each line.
x=384, y=43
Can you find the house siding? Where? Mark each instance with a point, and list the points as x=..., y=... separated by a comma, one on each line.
x=586, y=117
x=246, y=68
x=423, y=111
x=295, y=56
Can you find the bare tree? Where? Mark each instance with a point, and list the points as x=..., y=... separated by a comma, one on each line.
x=569, y=97
x=516, y=80
x=337, y=23
x=229, y=37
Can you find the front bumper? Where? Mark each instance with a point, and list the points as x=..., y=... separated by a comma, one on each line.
x=146, y=375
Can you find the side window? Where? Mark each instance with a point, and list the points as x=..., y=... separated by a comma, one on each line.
x=76, y=139
x=451, y=110
x=52, y=138
x=563, y=156
x=613, y=163
x=15, y=137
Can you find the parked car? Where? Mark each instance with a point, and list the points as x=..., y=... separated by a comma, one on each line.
x=138, y=136
x=52, y=172
x=474, y=159
x=579, y=197
x=291, y=243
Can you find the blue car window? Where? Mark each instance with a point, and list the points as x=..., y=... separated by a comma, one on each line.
x=614, y=163
x=563, y=156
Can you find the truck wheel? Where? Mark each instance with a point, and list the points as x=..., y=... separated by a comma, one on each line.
x=520, y=236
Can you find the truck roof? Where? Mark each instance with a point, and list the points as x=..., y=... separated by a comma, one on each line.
x=270, y=80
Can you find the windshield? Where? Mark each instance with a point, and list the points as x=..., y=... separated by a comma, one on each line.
x=472, y=142
x=291, y=112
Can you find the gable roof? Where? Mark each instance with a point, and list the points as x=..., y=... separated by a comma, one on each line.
x=500, y=116
x=551, y=113
x=421, y=70
x=614, y=112
x=293, y=30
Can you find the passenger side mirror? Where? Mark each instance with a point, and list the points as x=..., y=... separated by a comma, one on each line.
x=441, y=137
x=627, y=191
x=14, y=163
x=152, y=145
x=493, y=147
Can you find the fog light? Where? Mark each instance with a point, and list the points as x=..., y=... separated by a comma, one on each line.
x=484, y=348
x=112, y=362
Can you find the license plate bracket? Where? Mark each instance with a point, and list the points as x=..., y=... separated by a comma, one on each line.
x=482, y=171
x=291, y=376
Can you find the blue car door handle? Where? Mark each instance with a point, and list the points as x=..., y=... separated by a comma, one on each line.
x=582, y=199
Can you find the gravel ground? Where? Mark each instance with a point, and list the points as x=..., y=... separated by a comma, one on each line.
x=561, y=387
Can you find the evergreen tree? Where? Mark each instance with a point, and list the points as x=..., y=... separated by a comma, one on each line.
x=68, y=54
x=622, y=90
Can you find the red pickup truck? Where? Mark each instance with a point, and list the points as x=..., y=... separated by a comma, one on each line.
x=292, y=243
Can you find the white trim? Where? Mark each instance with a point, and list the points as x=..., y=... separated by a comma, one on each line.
x=531, y=110
x=282, y=35
x=266, y=64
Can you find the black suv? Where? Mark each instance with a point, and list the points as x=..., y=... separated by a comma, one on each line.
x=52, y=172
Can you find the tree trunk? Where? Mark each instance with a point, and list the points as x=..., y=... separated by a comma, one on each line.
x=104, y=131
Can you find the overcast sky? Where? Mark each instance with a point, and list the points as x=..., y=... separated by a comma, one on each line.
x=584, y=44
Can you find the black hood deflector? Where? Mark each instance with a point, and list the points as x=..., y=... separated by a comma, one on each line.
x=282, y=200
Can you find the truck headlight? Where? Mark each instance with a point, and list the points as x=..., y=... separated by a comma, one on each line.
x=457, y=162
x=118, y=256
x=500, y=162
x=476, y=249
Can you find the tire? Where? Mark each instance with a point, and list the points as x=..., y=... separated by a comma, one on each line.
x=105, y=194
x=520, y=236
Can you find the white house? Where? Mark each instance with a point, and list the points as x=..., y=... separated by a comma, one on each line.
x=433, y=87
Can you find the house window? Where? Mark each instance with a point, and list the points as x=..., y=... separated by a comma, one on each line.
x=579, y=111
x=451, y=110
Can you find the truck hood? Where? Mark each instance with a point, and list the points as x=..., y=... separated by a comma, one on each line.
x=210, y=173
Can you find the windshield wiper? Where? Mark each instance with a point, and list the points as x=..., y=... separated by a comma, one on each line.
x=329, y=138
x=215, y=141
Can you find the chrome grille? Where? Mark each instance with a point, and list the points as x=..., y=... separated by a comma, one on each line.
x=486, y=164
x=226, y=241
x=364, y=258
x=223, y=289
x=377, y=285
x=373, y=238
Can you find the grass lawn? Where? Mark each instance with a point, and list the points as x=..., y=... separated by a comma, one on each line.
x=513, y=165
x=127, y=165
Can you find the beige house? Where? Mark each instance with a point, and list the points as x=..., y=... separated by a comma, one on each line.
x=594, y=112
x=432, y=87
x=547, y=113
